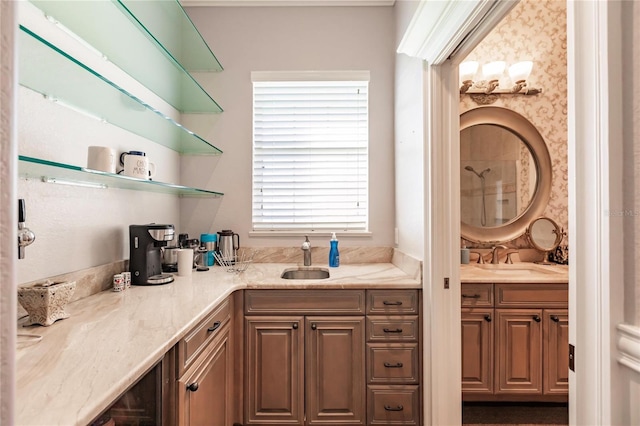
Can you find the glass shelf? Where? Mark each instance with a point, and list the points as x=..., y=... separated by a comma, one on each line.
x=50, y=171
x=153, y=41
x=50, y=71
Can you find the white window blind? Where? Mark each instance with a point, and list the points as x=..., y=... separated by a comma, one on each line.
x=310, y=155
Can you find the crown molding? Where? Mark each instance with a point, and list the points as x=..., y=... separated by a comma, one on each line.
x=272, y=3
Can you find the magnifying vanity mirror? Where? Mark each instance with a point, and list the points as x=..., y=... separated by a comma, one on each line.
x=505, y=174
x=544, y=235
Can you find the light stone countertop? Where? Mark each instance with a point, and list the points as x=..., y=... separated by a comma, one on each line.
x=83, y=363
x=524, y=273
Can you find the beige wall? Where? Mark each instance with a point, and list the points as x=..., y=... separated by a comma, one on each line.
x=247, y=39
x=536, y=30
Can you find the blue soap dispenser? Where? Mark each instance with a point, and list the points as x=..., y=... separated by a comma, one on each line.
x=334, y=255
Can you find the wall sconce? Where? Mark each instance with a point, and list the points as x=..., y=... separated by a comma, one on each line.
x=485, y=91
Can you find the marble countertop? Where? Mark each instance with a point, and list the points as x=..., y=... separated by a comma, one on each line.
x=514, y=273
x=83, y=363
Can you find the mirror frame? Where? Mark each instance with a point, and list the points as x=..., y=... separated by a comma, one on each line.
x=526, y=131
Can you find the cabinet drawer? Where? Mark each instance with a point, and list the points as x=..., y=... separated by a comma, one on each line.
x=396, y=328
x=304, y=302
x=393, y=405
x=392, y=363
x=193, y=343
x=392, y=302
x=477, y=295
x=532, y=295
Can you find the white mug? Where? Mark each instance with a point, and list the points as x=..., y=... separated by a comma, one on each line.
x=185, y=262
x=136, y=164
x=101, y=158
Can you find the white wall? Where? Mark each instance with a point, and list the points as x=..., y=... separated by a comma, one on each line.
x=409, y=141
x=249, y=39
x=76, y=227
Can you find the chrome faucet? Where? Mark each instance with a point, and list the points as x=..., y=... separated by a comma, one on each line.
x=306, y=249
x=494, y=253
x=25, y=235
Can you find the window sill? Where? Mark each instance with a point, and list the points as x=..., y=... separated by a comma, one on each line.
x=343, y=234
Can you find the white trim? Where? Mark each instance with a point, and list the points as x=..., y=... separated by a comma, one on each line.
x=358, y=75
x=341, y=234
x=629, y=346
x=278, y=3
x=8, y=211
x=438, y=27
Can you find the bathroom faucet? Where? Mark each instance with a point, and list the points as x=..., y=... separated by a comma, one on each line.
x=495, y=253
x=25, y=235
x=306, y=249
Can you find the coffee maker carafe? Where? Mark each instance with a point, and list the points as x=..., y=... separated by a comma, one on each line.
x=145, y=263
x=228, y=245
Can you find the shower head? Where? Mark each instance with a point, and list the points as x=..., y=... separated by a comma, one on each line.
x=481, y=174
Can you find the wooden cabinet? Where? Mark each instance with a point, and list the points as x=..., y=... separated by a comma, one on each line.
x=306, y=362
x=477, y=350
x=304, y=369
x=205, y=364
x=393, y=357
x=515, y=342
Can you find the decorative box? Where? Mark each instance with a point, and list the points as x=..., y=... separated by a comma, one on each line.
x=45, y=302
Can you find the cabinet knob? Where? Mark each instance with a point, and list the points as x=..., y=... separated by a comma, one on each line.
x=536, y=318
x=314, y=326
x=193, y=387
x=390, y=408
x=396, y=365
x=555, y=318
x=487, y=318
x=214, y=327
x=295, y=326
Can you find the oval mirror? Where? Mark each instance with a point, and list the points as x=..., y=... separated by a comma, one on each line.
x=544, y=235
x=505, y=174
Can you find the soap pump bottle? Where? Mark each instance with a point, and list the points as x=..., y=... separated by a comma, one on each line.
x=334, y=255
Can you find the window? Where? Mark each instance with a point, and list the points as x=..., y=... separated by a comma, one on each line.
x=310, y=152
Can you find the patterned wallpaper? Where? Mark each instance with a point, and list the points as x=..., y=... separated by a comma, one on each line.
x=536, y=30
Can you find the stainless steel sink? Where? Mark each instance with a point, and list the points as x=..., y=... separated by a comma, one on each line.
x=306, y=273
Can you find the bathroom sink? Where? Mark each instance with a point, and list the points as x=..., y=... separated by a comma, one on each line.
x=305, y=273
x=510, y=269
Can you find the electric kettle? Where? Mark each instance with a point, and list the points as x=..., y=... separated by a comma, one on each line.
x=228, y=245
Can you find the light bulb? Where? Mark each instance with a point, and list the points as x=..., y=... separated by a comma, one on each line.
x=468, y=70
x=493, y=70
x=520, y=71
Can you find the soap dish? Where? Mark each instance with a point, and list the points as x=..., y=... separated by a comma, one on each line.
x=45, y=302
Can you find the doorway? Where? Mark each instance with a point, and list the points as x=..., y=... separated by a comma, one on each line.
x=497, y=178
x=594, y=170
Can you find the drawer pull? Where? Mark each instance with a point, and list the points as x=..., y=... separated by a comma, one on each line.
x=314, y=326
x=390, y=303
x=214, y=327
x=396, y=365
x=295, y=325
x=487, y=318
x=536, y=318
x=555, y=318
x=193, y=387
x=392, y=330
x=471, y=296
x=390, y=408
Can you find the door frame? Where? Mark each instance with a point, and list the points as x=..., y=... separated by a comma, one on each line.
x=594, y=162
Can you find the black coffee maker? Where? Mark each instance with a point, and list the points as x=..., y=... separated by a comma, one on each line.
x=145, y=261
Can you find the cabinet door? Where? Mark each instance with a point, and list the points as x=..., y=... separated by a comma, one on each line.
x=335, y=372
x=205, y=391
x=519, y=351
x=477, y=351
x=274, y=378
x=556, y=351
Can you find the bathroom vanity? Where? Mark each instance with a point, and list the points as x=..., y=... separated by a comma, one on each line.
x=515, y=332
